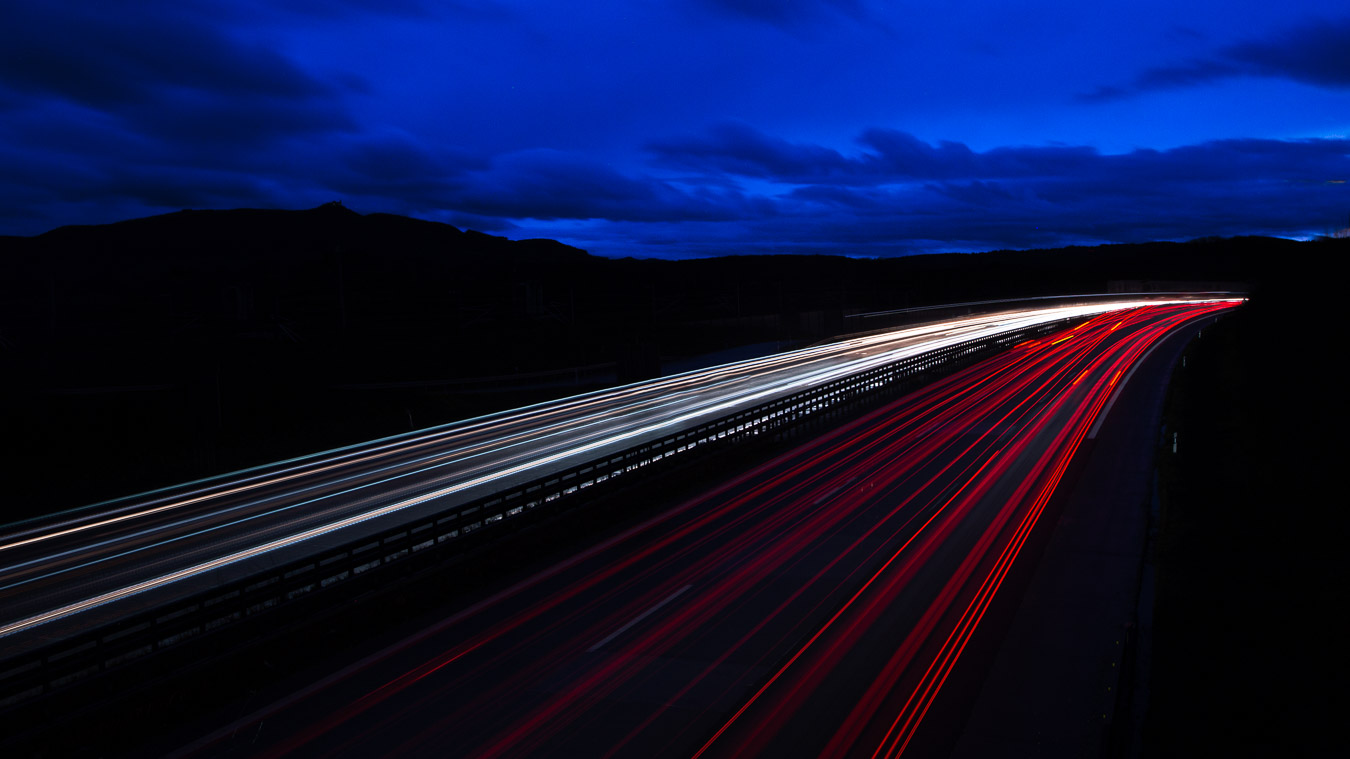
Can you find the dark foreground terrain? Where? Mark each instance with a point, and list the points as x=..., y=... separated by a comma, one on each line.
x=1249, y=656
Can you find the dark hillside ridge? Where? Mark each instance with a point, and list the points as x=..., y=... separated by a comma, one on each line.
x=157, y=350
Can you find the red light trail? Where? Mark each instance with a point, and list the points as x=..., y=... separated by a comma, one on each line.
x=813, y=606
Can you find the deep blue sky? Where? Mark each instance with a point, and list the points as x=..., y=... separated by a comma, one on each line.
x=691, y=127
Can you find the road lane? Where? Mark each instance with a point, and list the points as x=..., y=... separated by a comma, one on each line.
x=813, y=606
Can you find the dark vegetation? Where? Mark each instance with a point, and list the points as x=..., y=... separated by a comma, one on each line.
x=1249, y=657
x=155, y=351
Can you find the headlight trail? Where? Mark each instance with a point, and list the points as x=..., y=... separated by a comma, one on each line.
x=813, y=606
x=55, y=568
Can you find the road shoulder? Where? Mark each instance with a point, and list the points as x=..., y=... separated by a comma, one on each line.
x=1053, y=682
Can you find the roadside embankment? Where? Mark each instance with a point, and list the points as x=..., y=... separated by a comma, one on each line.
x=1248, y=654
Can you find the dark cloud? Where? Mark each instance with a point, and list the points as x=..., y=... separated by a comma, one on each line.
x=898, y=155
x=1314, y=53
x=904, y=194
x=788, y=13
x=736, y=148
x=492, y=113
x=166, y=77
x=841, y=197
x=400, y=158
x=207, y=122
x=891, y=155
x=155, y=107
x=548, y=184
x=394, y=172
x=44, y=187
x=916, y=197
x=94, y=54
x=895, y=194
x=331, y=8
x=1317, y=54
x=483, y=10
x=981, y=215
x=175, y=187
x=1191, y=74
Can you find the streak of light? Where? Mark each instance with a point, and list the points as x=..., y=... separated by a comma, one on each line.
x=947, y=484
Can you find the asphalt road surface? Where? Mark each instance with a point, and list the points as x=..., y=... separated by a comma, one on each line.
x=813, y=606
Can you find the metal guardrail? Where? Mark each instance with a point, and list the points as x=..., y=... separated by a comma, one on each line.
x=63, y=664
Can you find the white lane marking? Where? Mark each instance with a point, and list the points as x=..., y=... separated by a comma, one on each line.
x=637, y=619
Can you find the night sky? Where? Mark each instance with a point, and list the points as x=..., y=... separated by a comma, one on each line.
x=679, y=128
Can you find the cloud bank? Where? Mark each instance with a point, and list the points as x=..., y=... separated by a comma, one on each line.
x=1314, y=53
x=112, y=111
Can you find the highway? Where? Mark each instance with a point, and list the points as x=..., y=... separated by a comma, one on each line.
x=813, y=606
x=89, y=565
